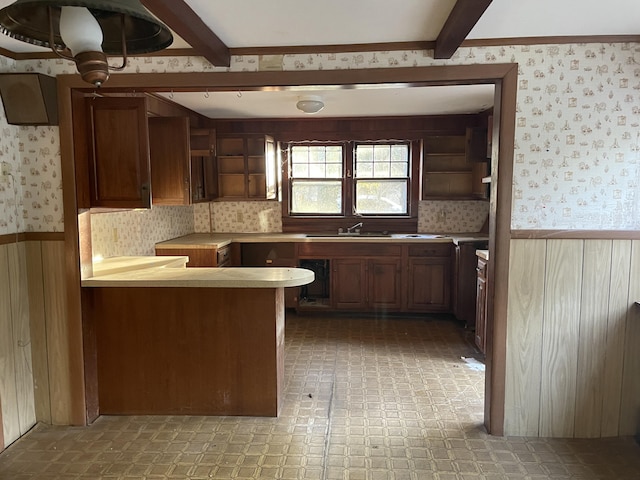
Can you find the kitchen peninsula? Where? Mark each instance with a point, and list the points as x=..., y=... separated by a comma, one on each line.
x=164, y=339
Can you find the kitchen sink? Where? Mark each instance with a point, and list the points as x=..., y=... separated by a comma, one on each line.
x=349, y=234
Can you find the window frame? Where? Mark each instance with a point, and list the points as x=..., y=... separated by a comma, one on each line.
x=373, y=222
x=289, y=186
x=355, y=179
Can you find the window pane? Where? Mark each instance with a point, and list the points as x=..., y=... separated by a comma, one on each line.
x=317, y=170
x=365, y=153
x=381, y=197
x=316, y=161
x=381, y=170
x=365, y=169
x=382, y=161
x=321, y=197
x=399, y=153
x=399, y=169
x=300, y=171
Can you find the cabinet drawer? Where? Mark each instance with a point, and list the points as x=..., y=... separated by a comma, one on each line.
x=223, y=256
x=430, y=250
x=198, y=257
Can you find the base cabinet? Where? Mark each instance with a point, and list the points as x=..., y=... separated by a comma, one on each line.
x=366, y=284
x=201, y=257
x=272, y=254
x=377, y=277
x=481, y=305
x=428, y=284
x=463, y=295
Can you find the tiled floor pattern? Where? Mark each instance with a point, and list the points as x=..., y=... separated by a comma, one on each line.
x=365, y=399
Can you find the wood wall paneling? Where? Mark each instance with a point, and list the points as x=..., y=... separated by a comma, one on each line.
x=630, y=407
x=21, y=336
x=37, y=322
x=594, y=307
x=55, y=301
x=611, y=380
x=8, y=393
x=524, y=337
x=573, y=363
x=563, y=279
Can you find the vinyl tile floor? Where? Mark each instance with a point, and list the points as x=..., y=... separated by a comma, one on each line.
x=365, y=399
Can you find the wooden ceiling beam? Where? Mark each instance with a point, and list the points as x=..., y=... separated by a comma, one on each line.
x=180, y=18
x=461, y=20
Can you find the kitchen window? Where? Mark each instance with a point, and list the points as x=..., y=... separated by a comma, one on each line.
x=321, y=182
x=316, y=179
x=381, y=179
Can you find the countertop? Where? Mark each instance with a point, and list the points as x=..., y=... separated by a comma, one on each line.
x=170, y=271
x=219, y=240
x=109, y=266
x=483, y=254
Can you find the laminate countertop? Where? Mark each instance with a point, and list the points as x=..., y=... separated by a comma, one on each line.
x=219, y=240
x=170, y=271
x=484, y=254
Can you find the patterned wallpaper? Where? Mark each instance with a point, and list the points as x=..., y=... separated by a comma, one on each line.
x=135, y=232
x=577, y=158
x=452, y=217
x=11, y=201
x=241, y=217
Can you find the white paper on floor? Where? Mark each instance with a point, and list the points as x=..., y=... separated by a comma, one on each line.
x=473, y=364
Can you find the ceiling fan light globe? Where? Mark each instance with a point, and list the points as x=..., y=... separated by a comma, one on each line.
x=80, y=31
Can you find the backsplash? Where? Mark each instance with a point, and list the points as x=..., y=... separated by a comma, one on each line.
x=241, y=217
x=135, y=232
x=263, y=217
x=452, y=217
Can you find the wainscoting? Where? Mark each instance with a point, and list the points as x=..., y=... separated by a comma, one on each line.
x=573, y=338
x=34, y=367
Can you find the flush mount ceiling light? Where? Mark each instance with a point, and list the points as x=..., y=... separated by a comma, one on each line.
x=310, y=104
x=86, y=31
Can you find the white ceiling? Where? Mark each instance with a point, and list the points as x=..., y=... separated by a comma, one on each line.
x=260, y=23
x=281, y=23
x=391, y=101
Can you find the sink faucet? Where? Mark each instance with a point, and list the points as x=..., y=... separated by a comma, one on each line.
x=353, y=227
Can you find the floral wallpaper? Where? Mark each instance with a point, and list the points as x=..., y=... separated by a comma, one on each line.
x=577, y=152
x=452, y=217
x=135, y=232
x=11, y=202
x=241, y=217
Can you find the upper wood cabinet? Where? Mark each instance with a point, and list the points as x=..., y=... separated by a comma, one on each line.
x=246, y=167
x=204, y=182
x=453, y=169
x=118, y=152
x=137, y=156
x=170, y=160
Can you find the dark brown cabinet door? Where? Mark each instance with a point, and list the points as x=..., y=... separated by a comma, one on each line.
x=170, y=160
x=204, y=181
x=384, y=288
x=429, y=285
x=481, y=306
x=348, y=283
x=118, y=152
